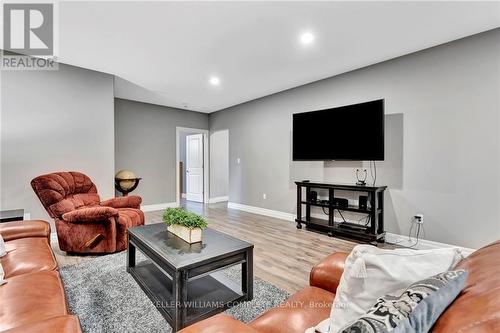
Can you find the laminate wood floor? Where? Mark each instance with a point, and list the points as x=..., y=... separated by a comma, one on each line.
x=283, y=255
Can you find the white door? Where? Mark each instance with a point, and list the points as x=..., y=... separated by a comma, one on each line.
x=194, y=167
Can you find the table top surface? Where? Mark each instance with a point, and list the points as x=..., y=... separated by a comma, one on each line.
x=179, y=253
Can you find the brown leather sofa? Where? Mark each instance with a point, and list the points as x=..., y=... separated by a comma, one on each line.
x=476, y=310
x=33, y=299
x=84, y=224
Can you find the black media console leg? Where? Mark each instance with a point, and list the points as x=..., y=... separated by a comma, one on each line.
x=299, y=226
x=330, y=233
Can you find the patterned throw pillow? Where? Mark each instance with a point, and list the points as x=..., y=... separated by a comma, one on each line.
x=415, y=310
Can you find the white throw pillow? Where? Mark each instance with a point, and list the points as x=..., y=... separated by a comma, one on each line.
x=2, y=275
x=3, y=251
x=322, y=327
x=370, y=272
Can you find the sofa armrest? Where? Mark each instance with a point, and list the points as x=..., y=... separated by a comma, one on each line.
x=219, y=324
x=90, y=214
x=132, y=201
x=24, y=229
x=61, y=324
x=326, y=275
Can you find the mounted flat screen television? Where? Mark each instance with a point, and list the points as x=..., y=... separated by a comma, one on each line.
x=352, y=132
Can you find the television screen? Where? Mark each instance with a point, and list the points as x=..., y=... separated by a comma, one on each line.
x=353, y=132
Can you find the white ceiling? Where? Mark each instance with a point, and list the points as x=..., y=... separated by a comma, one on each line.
x=165, y=52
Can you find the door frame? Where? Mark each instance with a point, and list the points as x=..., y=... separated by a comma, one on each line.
x=206, y=161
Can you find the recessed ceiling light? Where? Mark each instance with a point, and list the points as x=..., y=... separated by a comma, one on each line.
x=307, y=38
x=214, y=80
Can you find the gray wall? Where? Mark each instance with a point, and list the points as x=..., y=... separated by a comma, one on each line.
x=54, y=121
x=446, y=132
x=219, y=164
x=145, y=144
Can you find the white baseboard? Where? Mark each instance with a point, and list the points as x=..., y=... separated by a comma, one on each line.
x=423, y=244
x=269, y=212
x=183, y=195
x=161, y=206
x=262, y=211
x=390, y=237
x=53, y=237
x=218, y=199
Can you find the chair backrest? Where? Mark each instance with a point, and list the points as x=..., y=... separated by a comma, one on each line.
x=477, y=308
x=62, y=192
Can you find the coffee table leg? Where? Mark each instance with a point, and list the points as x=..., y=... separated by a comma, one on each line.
x=130, y=256
x=180, y=299
x=247, y=276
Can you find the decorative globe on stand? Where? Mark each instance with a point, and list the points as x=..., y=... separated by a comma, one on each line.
x=126, y=182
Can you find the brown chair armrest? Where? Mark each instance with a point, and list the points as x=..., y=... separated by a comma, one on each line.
x=61, y=324
x=132, y=201
x=23, y=229
x=90, y=214
x=219, y=324
x=326, y=275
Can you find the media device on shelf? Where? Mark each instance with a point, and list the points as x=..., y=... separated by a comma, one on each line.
x=353, y=132
x=340, y=202
x=363, y=202
x=337, y=202
x=354, y=227
x=314, y=196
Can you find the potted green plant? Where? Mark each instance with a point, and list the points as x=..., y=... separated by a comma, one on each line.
x=184, y=224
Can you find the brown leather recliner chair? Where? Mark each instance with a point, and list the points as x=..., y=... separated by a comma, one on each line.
x=84, y=224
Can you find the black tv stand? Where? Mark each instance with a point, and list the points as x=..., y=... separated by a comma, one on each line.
x=372, y=232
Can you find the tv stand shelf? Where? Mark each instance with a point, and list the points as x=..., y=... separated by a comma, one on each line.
x=349, y=208
x=372, y=232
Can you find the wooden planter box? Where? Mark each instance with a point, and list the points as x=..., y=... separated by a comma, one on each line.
x=186, y=234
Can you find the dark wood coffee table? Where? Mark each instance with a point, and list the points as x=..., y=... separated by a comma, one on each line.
x=184, y=280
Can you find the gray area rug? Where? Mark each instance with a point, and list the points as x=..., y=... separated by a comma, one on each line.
x=107, y=299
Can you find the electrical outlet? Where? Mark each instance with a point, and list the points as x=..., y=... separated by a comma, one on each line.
x=419, y=218
x=264, y=196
